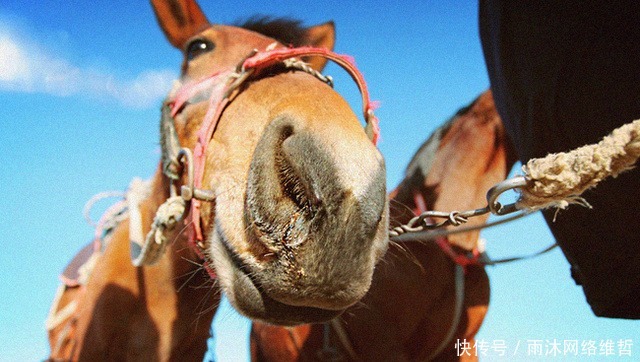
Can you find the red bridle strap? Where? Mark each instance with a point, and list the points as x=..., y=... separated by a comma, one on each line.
x=462, y=259
x=265, y=59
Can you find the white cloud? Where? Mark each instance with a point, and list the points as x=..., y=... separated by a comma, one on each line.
x=14, y=69
x=145, y=90
x=27, y=67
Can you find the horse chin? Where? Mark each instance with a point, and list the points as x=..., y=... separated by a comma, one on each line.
x=248, y=298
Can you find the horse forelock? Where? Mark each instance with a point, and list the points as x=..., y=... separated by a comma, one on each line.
x=285, y=30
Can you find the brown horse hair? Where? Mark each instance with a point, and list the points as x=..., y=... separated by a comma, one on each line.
x=287, y=31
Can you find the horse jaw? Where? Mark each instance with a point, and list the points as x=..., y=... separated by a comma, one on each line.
x=301, y=213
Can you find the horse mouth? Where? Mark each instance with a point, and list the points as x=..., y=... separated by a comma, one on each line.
x=249, y=298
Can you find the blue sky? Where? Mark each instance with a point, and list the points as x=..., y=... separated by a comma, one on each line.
x=81, y=84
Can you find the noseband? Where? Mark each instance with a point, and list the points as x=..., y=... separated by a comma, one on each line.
x=223, y=86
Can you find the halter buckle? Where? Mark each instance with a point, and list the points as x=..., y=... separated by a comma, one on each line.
x=188, y=191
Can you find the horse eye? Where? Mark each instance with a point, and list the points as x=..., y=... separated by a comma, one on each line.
x=197, y=48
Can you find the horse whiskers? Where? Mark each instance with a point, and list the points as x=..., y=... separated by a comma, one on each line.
x=396, y=203
x=201, y=311
x=410, y=255
x=204, y=302
x=359, y=305
x=182, y=230
x=229, y=189
x=206, y=284
x=200, y=265
x=190, y=275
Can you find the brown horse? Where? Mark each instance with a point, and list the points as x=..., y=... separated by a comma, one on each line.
x=409, y=309
x=298, y=213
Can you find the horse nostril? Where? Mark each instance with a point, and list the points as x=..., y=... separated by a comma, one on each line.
x=293, y=179
x=286, y=132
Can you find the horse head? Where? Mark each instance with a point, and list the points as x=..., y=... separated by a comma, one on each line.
x=299, y=213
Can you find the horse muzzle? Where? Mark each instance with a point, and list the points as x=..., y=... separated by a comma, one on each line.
x=316, y=222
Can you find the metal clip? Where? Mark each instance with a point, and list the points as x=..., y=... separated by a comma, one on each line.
x=494, y=193
x=189, y=191
x=186, y=191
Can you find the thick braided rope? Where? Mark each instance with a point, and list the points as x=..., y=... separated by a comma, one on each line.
x=150, y=251
x=559, y=179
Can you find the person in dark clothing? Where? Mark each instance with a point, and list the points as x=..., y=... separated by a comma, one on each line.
x=565, y=74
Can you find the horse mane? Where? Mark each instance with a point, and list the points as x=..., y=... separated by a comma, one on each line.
x=285, y=30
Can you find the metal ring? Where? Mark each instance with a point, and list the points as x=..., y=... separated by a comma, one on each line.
x=494, y=193
x=186, y=191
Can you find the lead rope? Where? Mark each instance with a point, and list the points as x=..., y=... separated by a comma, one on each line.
x=457, y=315
x=345, y=341
x=555, y=181
x=149, y=251
x=328, y=352
x=343, y=337
x=559, y=179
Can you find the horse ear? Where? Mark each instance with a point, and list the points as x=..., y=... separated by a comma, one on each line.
x=321, y=36
x=179, y=19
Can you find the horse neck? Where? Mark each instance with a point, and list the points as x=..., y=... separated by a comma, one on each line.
x=168, y=310
x=471, y=155
x=181, y=271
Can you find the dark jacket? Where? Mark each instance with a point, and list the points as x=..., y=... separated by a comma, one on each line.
x=565, y=74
